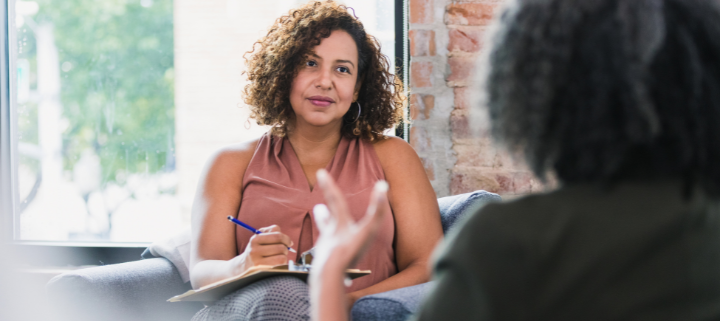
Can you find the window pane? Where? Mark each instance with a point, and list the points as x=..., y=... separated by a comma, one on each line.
x=121, y=102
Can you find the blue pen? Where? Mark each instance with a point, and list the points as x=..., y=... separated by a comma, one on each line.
x=251, y=229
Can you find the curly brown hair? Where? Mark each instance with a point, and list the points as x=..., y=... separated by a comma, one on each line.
x=282, y=52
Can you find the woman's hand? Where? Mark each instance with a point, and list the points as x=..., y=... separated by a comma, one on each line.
x=342, y=242
x=268, y=248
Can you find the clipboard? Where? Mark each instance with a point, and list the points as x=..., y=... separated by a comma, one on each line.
x=217, y=290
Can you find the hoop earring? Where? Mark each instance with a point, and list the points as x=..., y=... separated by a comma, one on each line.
x=359, y=111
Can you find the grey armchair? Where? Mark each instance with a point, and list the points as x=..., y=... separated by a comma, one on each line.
x=138, y=290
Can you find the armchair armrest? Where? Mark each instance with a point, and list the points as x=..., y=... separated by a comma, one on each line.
x=129, y=291
x=393, y=305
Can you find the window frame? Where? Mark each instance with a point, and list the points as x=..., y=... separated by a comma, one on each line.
x=8, y=179
x=57, y=254
x=402, y=60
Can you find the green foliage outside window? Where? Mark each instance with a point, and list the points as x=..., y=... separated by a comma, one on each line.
x=116, y=69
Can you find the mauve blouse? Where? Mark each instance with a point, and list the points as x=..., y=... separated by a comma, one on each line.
x=276, y=191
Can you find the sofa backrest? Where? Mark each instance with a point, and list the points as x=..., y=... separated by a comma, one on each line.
x=453, y=208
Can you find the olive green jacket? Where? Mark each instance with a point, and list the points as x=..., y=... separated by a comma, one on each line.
x=636, y=251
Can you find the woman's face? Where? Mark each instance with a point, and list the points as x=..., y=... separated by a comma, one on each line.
x=326, y=84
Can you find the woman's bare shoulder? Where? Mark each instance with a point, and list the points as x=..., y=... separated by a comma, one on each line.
x=391, y=149
x=238, y=151
x=231, y=161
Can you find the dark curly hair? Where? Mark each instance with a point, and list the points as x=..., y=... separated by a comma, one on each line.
x=283, y=50
x=603, y=90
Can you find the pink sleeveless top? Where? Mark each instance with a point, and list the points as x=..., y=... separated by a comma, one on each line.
x=276, y=191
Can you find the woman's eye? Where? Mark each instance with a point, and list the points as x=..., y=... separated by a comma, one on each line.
x=343, y=69
x=311, y=63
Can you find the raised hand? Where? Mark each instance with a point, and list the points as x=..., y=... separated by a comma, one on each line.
x=342, y=242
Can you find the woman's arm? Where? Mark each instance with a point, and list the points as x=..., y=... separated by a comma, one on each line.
x=417, y=216
x=213, y=255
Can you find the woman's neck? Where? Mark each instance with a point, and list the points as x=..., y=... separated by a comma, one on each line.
x=312, y=139
x=314, y=147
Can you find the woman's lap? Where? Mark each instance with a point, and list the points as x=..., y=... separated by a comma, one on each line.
x=276, y=298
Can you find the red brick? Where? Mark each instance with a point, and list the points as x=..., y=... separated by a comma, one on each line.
x=504, y=183
x=457, y=184
x=503, y=159
x=459, y=125
x=414, y=102
x=419, y=139
x=429, y=167
x=421, y=11
x=524, y=182
x=462, y=71
x=468, y=179
x=464, y=126
x=462, y=97
x=461, y=183
x=422, y=43
x=470, y=14
x=465, y=40
x=421, y=105
x=478, y=152
x=421, y=74
x=428, y=102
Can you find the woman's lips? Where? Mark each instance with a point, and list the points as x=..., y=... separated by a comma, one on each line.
x=320, y=101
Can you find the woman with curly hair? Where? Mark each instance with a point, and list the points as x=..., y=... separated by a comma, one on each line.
x=323, y=85
x=618, y=99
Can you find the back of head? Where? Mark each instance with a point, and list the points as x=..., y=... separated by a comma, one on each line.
x=603, y=90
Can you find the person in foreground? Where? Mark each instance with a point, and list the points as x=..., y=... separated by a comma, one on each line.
x=620, y=101
x=324, y=86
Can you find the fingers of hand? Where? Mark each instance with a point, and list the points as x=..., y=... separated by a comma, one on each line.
x=270, y=250
x=270, y=238
x=369, y=225
x=376, y=210
x=334, y=198
x=322, y=177
x=322, y=216
x=272, y=260
x=268, y=229
x=272, y=254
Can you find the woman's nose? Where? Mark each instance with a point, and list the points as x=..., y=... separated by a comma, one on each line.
x=324, y=80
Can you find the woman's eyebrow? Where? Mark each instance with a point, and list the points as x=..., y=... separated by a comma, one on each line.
x=339, y=60
x=346, y=61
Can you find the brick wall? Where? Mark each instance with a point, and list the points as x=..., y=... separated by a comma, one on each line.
x=445, y=39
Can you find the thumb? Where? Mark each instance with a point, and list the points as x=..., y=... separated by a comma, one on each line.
x=322, y=217
x=375, y=211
